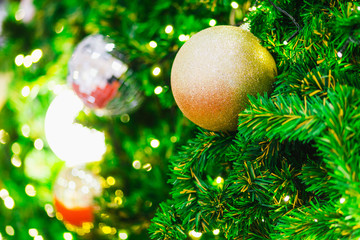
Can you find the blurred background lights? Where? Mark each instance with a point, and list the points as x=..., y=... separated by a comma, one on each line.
x=123, y=235
x=219, y=180
x=1, y=238
x=10, y=230
x=4, y=136
x=156, y=71
x=71, y=142
x=155, y=143
x=39, y=144
x=33, y=232
x=147, y=167
x=25, y=91
x=49, y=209
x=158, y=90
x=36, y=55
x=25, y=130
x=252, y=8
x=27, y=61
x=4, y=193
x=287, y=198
x=67, y=236
x=153, y=44
x=173, y=139
x=216, y=232
x=111, y=181
x=19, y=59
x=38, y=237
x=15, y=161
x=15, y=148
x=136, y=164
x=234, y=5
x=30, y=190
x=169, y=29
x=184, y=38
x=195, y=234
x=9, y=202
x=342, y=200
x=212, y=22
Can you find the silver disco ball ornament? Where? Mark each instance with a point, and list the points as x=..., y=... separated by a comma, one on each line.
x=99, y=75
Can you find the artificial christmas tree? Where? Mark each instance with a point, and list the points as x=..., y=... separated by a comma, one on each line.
x=289, y=171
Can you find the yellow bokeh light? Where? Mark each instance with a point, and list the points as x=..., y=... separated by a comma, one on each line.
x=25, y=91
x=234, y=5
x=123, y=235
x=169, y=29
x=195, y=234
x=219, y=180
x=156, y=71
x=155, y=143
x=16, y=161
x=4, y=136
x=39, y=144
x=15, y=148
x=173, y=139
x=49, y=210
x=118, y=200
x=38, y=237
x=184, y=37
x=36, y=55
x=27, y=61
x=30, y=190
x=216, y=232
x=153, y=44
x=67, y=236
x=33, y=232
x=158, y=90
x=10, y=230
x=212, y=22
x=25, y=130
x=136, y=164
x=106, y=229
x=147, y=167
x=19, y=59
x=4, y=193
x=111, y=181
x=9, y=202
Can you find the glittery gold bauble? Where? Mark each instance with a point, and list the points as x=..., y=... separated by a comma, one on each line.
x=213, y=73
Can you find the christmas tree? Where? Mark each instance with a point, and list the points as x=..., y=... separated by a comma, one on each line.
x=289, y=170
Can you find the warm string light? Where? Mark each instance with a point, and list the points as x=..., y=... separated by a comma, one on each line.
x=28, y=60
x=195, y=234
x=350, y=39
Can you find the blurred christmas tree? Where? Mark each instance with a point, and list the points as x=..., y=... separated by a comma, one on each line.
x=291, y=171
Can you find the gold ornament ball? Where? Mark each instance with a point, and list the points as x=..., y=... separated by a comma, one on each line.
x=213, y=73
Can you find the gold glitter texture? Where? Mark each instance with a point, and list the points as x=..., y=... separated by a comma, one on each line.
x=215, y=70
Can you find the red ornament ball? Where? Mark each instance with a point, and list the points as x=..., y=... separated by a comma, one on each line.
x=74, y=192
x=213, y=73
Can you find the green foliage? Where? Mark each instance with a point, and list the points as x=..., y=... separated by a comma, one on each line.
x=291, y=171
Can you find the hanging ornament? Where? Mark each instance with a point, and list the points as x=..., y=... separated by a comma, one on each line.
x=74, y=192
x=99, y=76
x=213, y=73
